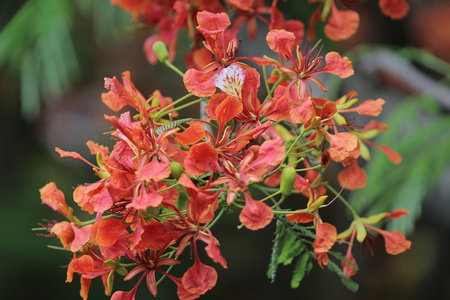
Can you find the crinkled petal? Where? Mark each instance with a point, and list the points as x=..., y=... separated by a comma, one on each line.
x=342, y=24
x=281, y=41
x=353, y=177
x=199, y=278
x=325, y=237
x=199, y=83
x=255, y=214
x=337, y=65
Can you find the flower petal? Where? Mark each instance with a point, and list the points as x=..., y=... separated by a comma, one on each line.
x=396, y=9
x=325, y=237
x=256, y=214
x=199, y=278
x=54, y=198
x=352, y=178
x=342, y=24
x=199, y=83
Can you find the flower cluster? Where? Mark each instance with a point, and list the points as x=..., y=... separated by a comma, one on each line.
x=166, y=182
x=169, y=17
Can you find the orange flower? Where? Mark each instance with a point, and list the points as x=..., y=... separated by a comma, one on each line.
x=225, y=73
x=395, y=9
x=353, y=177
x=54, y=198
x=106, y=232
x=342, y=24
x=343, y=145
x=199, y=278
x=256, y=214
x=325, y=237
x=305, y=65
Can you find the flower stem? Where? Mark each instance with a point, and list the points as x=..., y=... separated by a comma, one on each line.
x=345, y=202
x=217, y=217
x=82, y=224
x=265, y=82
x=271, y=196
x=169, y=64
x=159, y=114
x=283, y=197
x=180, y=107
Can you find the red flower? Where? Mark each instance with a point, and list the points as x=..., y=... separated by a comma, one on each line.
x=395, y=242
x=149, y=263
x=396, y=9
x=54, y=198
x=353, y=177
x=225, y=73
x=256, y=214
x=199, y=278
x=88, y=267
x=342, y=24
x=304, y=65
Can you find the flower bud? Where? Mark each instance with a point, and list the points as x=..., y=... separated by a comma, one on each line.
x=122, y=271
x=316, y=204
x=176, y=169
x=160, y=50
x=287, y=180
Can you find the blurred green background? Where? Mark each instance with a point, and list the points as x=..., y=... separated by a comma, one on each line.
x=54, y=56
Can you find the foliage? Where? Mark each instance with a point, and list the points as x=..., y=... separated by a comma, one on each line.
x=45, y=55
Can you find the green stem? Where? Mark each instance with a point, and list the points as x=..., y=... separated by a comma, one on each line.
x=303, y=145
x=269, y=95
x=82, y=224
x=311, y=168
x=180, y=107
x=238, y=205
x=283, y=197
x=173, y=104
x=167, y=271
x=271, y=196
x=169, y=64
x=285, y=212
x=127, y=265
x=345, y=202
x=217, y=217
x=285, y=155
x=302, y=153
x=167, y=188
x=57, y=248
x=209, y=123
x=265, y=82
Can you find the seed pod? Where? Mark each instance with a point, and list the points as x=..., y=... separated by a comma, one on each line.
x=287, y=180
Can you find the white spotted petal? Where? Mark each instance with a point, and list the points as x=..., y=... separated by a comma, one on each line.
x=230, y=80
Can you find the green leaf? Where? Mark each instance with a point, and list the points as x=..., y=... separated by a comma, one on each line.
x=348, y=283
x=414, y=127
x=273, y=265
x=290, y=248
x=48, y=47
x=302, y=267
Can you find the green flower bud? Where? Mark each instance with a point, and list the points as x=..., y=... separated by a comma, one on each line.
x=176, y=169
x=122, y=271
x=160, y=50
x=287, y=180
